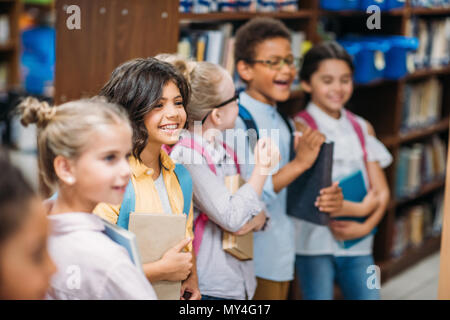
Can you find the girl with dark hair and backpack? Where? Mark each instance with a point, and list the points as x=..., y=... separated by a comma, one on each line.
x=154, y=95
x=342, y=251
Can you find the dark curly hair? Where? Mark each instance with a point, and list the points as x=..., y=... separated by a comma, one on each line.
x=255, y=32
x=138, y=85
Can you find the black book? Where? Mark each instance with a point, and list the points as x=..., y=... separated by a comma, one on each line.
x=303, y=191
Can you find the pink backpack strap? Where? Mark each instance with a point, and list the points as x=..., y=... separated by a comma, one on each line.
x=168, y=149
x=359, y=132
x=233, y=154
x=308, y=119
x=202, y=219
x=192, y=144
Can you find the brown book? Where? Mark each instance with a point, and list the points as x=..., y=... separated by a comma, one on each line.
x=241, y=247
x=155, y=234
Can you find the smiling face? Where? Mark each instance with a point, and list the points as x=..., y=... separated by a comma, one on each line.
x=168, y=117
x=25, y=265
x=331, y=86
x=102, y=171
x=267, y=84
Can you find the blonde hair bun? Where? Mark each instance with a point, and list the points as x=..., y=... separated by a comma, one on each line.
x=184, y=66
x=35, y=111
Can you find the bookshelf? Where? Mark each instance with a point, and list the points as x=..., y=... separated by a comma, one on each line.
x=83, y=64
x=10, y=50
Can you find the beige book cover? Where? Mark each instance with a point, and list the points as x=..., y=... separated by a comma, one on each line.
x=241, y=247
x=155, y=234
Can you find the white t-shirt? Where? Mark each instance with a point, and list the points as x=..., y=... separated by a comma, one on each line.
x=163, y=195
x=313, y=239
x=90, y=265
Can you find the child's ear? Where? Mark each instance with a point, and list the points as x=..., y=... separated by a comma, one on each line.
x=245, y=70
x=306, y=86
x=216, y=117
x=64, y=170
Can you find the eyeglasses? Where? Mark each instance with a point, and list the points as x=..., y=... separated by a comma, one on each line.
x=234, y=98
x=278, y=63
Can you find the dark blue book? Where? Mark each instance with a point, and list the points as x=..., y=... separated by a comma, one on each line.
x=303, y=191
x=353, y=189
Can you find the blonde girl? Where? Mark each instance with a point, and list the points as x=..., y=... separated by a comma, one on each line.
x=83, y=155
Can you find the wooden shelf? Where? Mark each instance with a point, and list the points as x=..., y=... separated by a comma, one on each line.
x=224, y=16
x=429, y=11
x=425, y=190
x=423, y=73
x=9, y=46
x=440, y=126
x=411, y=256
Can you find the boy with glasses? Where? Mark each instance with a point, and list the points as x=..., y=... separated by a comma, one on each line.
x=265, y=62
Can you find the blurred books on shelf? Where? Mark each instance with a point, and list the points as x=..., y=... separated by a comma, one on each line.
x=422, y=104
x=434, y=41
x=417, y=223
x=418, y=165
x=3, y=77
x=217, y=46
x=208, y=6
x=4, y=29
x=430, y=3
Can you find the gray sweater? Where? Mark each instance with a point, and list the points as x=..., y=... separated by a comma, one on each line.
x=220, y=274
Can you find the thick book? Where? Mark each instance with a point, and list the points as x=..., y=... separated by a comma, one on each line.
x=303, y=192
x=240, y=247
x=353, y=189
x=126, y=239
x=156, y=234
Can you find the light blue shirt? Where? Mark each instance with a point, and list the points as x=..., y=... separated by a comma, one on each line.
x=274, y=248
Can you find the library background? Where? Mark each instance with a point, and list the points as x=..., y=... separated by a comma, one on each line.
x=402, y=81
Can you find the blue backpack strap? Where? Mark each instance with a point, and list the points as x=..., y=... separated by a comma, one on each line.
x=249, y=122
x=128, y=205
x=291, y=131
x=185, y=180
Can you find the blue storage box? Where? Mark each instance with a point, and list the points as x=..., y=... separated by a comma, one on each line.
x=368, y=57
x=364, y=4
x=338, y=5
x=394, y=4
x=397, y=55
x=38, y=58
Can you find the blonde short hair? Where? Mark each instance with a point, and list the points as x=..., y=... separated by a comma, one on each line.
x=66, y=129
x=204, y=79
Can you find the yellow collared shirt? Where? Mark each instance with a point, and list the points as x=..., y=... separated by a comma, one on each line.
x=147, y=196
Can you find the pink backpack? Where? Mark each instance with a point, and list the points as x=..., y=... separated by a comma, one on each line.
x=305, y=115
x=202, y=219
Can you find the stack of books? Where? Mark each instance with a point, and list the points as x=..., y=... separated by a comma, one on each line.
x=417, y=223
x=431, y=3
x=217, y=46
x=420, y=164
x=434, y=42
x=207, y=6
x=3, y=77
x=422, y=104
x=4, y=29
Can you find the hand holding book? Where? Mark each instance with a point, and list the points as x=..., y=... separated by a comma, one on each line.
x=358, y=209
x=307, y=146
